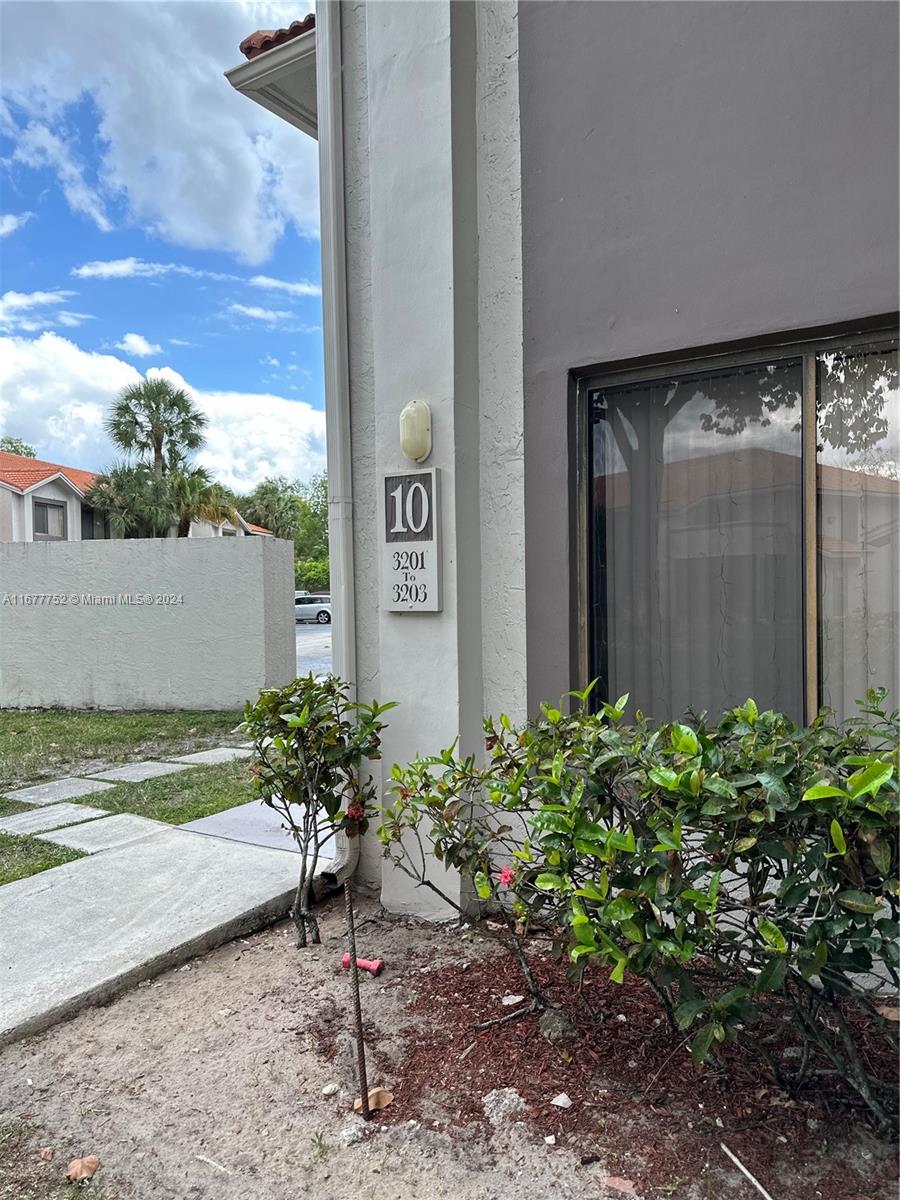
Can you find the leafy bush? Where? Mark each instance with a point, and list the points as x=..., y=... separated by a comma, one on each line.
x=746, y=870
x=310, y=739
x=312, y=574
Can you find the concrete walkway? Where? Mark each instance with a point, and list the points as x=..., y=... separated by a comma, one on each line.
x=146, y=896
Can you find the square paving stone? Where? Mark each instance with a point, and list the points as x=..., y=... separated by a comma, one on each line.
x=209, y=758
x=51, y=816
x=57, y=789
x=89, y=928
x=104, y=835
x=139, y=771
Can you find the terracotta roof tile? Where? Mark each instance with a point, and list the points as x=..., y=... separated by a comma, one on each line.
x=266, y=39
x=259, y=528
x=21, y=472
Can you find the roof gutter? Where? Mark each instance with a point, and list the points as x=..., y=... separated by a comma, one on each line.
x=281, y=80
x=337, y=369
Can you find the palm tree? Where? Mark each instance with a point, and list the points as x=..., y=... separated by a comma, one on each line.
x=134, y=500
x=158, y=423
x=197, y=498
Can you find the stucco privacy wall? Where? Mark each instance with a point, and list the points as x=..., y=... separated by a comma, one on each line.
x=232, y=634
x=692, y=173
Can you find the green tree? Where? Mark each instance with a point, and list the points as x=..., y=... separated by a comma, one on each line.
x=311, y=539
x=158, y=423
x=14, y=445
x=196, y=497
x=312, y=574
x=273, y=504
x=134, y=500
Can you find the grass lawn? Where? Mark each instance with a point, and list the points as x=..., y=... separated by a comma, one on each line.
x=47, y=744
x=23, y=856
x=9, y=808
x=176, y=799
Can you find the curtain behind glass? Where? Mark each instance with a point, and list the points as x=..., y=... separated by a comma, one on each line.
x=858, y=473
x=697, y=541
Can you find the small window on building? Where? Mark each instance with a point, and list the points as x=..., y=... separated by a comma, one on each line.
x=49, y=521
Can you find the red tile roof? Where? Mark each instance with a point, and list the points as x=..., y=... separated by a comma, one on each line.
x=21, y=472
x=266, y=39
x=259, y=528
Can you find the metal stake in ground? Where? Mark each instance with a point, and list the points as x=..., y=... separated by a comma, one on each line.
x=357, y=1007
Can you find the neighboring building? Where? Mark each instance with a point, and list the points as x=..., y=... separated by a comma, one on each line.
x=45, y=502
x=641, y=260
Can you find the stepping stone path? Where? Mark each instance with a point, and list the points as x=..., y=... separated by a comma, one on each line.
x=51, y=816
x=104, y=835
x=139, y=771
x=56, y=790
x=210, y=758
x=146, y=896
x=254, y=824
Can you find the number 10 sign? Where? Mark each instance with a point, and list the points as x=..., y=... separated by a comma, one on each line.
x=411, y=573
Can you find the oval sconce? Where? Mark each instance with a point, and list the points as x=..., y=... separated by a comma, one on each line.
x=415, y=430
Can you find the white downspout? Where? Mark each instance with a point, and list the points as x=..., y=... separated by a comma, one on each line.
x=337, y=377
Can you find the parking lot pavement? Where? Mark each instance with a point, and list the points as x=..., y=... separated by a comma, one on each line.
x=313, y=649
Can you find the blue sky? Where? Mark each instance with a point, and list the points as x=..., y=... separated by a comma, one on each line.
x=155, y=220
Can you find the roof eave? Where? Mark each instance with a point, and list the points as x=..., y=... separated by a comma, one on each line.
x=283, y=80
x=59, y=477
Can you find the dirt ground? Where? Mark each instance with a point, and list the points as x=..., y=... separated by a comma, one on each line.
x=207, y=1084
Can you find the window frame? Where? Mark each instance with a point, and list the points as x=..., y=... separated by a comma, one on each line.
x=806, y=347
x=41, y=501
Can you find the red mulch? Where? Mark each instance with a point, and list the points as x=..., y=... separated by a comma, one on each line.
x=638, y=1102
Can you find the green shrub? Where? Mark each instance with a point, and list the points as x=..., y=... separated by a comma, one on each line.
x=312, y=574
x=747, y=870
x=309, y=740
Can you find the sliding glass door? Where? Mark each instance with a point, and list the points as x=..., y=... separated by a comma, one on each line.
x=707, y=579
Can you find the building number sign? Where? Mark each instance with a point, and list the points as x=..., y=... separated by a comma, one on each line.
x=411, y=571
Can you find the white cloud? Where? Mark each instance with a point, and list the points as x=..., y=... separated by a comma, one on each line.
x=138, y=268
x=270, y=315
x=38, y=146
x=55, y=396
x=73, y=319
x=301, y=288
x=121, y=268
x=137, y=346
x=17, y=309
x=180, y=342
x=10, y=222
x=270, y=361
x=233, y=187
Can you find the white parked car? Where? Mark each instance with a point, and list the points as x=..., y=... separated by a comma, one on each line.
x=312, y=608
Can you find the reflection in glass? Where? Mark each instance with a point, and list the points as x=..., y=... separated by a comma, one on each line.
x=696, y=541
x=858, y=474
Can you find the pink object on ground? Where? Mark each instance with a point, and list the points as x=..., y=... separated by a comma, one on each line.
x=374, y=966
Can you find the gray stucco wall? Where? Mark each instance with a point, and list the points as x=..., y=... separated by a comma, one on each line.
x=232, y=634
x=692, y=174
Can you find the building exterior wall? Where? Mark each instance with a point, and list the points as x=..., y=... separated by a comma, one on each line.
x=430, y=107
x=59, y=493
x=692, y=174
x=7, y=505
x=231, y=633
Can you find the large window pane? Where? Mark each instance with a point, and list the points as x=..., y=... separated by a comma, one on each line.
x=696, y=540
x=858, y=472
